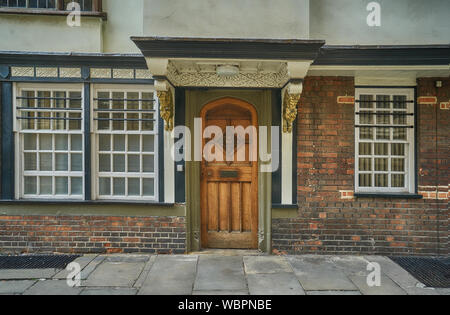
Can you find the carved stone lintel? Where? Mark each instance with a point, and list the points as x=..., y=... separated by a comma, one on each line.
x=167, y=108
x=289, y=110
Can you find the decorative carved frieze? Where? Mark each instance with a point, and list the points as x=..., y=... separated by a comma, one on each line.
x=22, y=71
x=42, y=72
x=167, y=108
x=123, y=73
x=101, y=73
x=242, y=80
x=70, y=72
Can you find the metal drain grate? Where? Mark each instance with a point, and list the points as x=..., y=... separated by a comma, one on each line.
x=433, y=272
x=36, y=262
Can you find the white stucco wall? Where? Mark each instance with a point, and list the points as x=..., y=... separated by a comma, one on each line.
x=125, y=19
x=287, y=19
x=39, y=33
x=403, y=22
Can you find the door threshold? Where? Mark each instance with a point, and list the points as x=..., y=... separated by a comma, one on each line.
x=229, y=252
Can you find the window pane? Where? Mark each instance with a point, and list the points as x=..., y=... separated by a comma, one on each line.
x=400, y=102
x=383, y=101
x=398, y=180
x=119, y=143
x=383, y=133
x=62, y=162
x=366, y=133
x=105, y=163
x=76, y=143
x=30, y=185
x=105, y=186
x=134, y=188
x=30, y=161
x=46, y=185
x=134, y=163
x=119, y=163
x=148, y=144
x=119, y=186
x=398, y=165
x=365, y=118
x=365, y=164
x=365, y=149
x=61, y=142
x=76, y=186
x=365, y=180
x=381, y=180
x=149, y=187
x=149, y=163
x=382, y=165
x=30, y=142
x=381, y=148
x=366, y=101
x=45, y=142
x=398, y=149
x=134, y=143
x=45, y=162
x=61, y=186
x=133, y=100
x=400, y=134
x=77, y=162
x=105, y=143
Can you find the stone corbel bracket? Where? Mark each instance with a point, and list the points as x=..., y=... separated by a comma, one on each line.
x=291, y=98
x=164, y=91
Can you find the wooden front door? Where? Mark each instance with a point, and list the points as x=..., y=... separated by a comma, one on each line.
x=229, y=189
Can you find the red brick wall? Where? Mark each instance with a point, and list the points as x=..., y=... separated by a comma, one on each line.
x=92, y=234
x=330, y=220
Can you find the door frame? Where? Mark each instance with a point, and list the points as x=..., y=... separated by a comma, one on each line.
x=254, y=197
x=195, y=99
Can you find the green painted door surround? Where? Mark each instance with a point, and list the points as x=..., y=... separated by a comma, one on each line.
x=195, y=100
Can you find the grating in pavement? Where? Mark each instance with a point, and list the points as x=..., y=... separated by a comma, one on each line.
x=36, y=261
x=433, y=272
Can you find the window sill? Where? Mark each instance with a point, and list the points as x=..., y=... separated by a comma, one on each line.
x=283, y=206
x=387, y=195
x=87, y=203
x=25, y=11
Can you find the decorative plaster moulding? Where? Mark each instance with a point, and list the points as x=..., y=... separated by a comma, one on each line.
x=245, y=79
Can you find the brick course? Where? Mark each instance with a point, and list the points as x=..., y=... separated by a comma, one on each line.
x=330, y=220
x=92, y=234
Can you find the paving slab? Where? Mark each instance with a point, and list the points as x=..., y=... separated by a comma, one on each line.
x=351, y=265
x=320, y=274
x=274, y=284
x=27, y=274
x=86, y=272
x=388, y=287
x=443, y=291
x=328, y=293
x=83, y=261
x=52, y=287
x=170, y=275
x=109, y=291
x=400, y=276
x=143, y=276
x=220, y=273
x=116, y=272
x=15, y=287
x=221, y=293
x=266, y=264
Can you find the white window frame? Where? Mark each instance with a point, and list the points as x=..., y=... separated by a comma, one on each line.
x=95, y=88
x=20, y=172
x=410, y=185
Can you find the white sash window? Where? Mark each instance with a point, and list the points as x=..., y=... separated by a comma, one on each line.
x=49, y=132
x=385, y=143
x=126, y=143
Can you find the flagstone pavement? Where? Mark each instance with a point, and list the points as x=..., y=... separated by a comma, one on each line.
x=218, y=273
